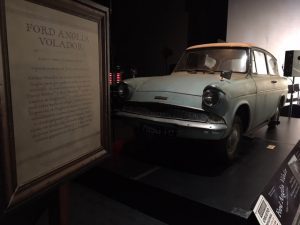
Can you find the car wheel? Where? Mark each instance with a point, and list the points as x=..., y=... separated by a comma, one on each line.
x=231, y=142
x=274, y=121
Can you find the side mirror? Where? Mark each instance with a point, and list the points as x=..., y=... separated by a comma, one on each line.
x=226, y=74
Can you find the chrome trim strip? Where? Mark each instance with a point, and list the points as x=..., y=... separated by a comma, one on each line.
x=162, y=103
x=183, y=123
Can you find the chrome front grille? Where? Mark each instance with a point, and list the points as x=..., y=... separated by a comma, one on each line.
x=166, y=111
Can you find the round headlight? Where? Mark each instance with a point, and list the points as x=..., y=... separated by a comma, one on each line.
x=210, y=97
x=123, y=91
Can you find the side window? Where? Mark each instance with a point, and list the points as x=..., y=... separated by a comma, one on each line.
x=272, y=65
x=260, y=62
x=254, y=70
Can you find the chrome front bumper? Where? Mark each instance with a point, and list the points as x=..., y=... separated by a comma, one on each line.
x=186, y=129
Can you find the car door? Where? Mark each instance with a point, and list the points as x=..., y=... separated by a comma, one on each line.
x=264, y=88
x=277, y=82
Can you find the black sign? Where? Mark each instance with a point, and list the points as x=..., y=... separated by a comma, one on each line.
x=279, y=203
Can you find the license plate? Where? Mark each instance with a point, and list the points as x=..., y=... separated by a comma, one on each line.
x=154, y=130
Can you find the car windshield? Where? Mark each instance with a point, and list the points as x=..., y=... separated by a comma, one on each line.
x=213, y=60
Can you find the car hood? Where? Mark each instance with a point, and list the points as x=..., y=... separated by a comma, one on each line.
x=181, y=88
x=182, y=83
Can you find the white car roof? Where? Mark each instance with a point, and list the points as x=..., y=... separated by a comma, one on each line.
x=227, y=44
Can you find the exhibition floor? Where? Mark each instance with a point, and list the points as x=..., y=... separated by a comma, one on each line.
x=176, y=183
x=88, y=207
x=184, y=182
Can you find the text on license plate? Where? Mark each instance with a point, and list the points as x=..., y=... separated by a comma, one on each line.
x=153, y=130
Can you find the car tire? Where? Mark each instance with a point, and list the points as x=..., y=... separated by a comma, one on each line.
x=274, y=121
x=230, y=144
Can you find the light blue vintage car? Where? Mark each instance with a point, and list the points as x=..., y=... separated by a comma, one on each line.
x=216, y=92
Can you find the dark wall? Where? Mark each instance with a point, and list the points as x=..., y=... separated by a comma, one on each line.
x=151, y=35
x=148, y=36
x=207, y=21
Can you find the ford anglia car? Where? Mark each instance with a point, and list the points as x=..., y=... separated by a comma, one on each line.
x=217, y=92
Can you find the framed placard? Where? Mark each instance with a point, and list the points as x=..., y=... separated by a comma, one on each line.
x=55, y=118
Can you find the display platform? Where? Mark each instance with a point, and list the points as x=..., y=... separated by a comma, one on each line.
x=184, y=182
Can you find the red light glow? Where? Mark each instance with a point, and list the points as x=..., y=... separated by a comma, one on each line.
x=119, y=78
x=110, y=79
